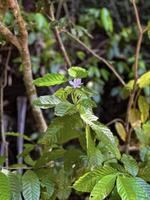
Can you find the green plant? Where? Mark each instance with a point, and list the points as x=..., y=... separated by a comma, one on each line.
x=77, y=153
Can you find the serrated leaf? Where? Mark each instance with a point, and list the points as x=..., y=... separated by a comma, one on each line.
x=129, y=189
x=63, y=185
x=62, y=129
x=144, y=80
x=89, y=142
x=144, y=108
x=94, y=155
x=102, y=132
x=47, y=101
x=87, y=182
x=105, y=135
x=31, y=186
x=5, y=193
x=50, y=80
x=49, y=185
x=145, y=186
x=130, y=164
x=77, y=72
x=65, y=108
x=121, y=131
x=103, y=188
x=15, y=185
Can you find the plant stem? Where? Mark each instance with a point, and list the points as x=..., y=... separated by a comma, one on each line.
x=21, y=42
x=141, y=31
x=107, y=63
x=50, y=13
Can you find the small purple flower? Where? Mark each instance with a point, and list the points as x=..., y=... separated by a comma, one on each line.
x=76, y=83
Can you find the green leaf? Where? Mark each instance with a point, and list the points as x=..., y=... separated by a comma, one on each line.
x=18, y=135
x=77, y=72
x=106, y=20
x=62, y=129
x=121, y=130
x=135, y=118
x=2, y=159
x=63, y=185
x=49, y=185
x=129, y=189
x=129, y=86
x=49, y=156
x=145, y=186
x=15, y=185
x=89, y=141
x=94, y=154
x=65, y=108
x=27, y=149
x=144, y=172
x=63, y=93
x=87, y=182
x=47, y=101
x=130, y=164
x=50, y=80
x=144, y=108
x=105, y=135
x=144, y=80
x=41, y=21
x=4, y=187
x=72, y=157
x=31, y=186
x=103, y=188
x=102, y=132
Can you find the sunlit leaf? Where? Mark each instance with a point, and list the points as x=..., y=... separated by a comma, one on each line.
x=31, y=186
x=77, y=72
x=50, y=80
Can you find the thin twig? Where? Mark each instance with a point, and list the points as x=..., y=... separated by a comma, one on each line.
x=114, y=121
x=108, y=64
x=141, y=31
x=58, y=38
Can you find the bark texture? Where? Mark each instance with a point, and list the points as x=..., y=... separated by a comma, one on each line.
x=21, y=42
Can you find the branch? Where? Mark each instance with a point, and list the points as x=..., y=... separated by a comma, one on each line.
x=14, y=6
x=141, y=31
x=9, y=36
x=108, y=64
x=58, y=37
x=27, y=68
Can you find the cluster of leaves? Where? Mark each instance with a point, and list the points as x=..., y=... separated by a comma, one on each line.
x=94, y=161
x=93, y=164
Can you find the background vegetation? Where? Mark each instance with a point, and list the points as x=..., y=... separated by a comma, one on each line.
x=74, y=99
